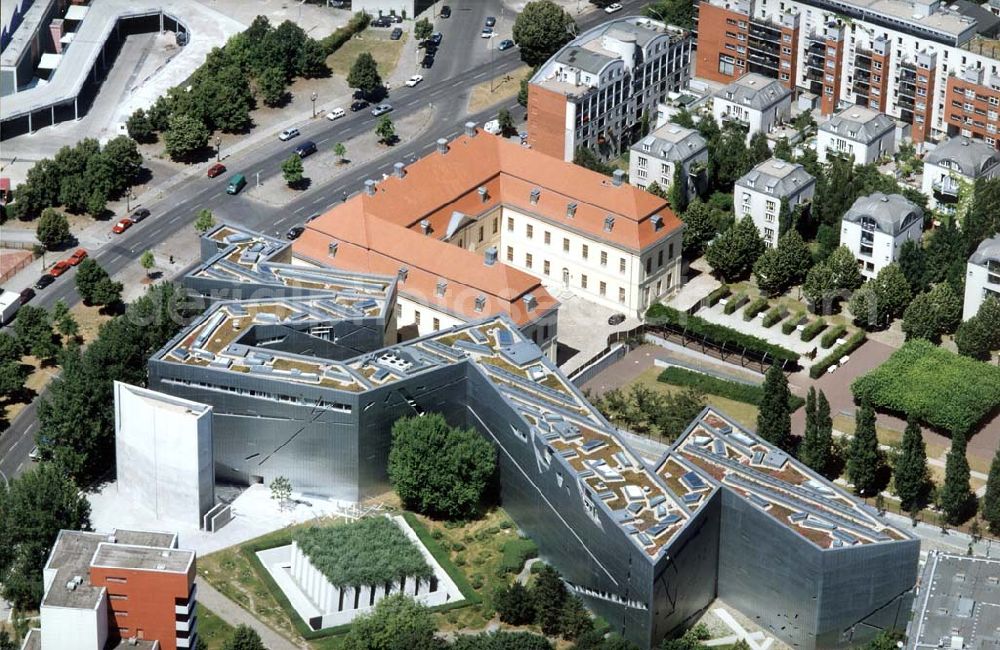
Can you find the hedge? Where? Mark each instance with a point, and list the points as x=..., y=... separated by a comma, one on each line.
x=810, y=331
x=719, y=335
x=754, y=308
x=334, y=41
x=938, y=387
x=831, y=335
x=789, y=325
x=774, y=314
x=735, y=303
x=718, y=294
x=734, y=390
x=850, y=345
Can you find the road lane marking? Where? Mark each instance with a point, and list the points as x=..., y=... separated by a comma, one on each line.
x=299, y=210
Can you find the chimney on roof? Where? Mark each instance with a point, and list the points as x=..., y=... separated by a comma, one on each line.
x=480, y=302
x=657, y=221
x=609, y=223
x=470, y=129
x=425, y=226
x=442, y=146
x=370, y=187
x=530, y=302
x=535, y=193
x=441, y=287
x=398, y=170
x=331, y=249
x=490, y=256
x=570, y=210
x=618, y=177
x=403, y=271
x=484, y=195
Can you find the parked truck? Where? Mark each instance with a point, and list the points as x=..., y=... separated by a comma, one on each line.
x=10, y=302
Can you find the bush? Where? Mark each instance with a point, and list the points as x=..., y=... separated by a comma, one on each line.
x=734, y=390
x=831, y=335
x=735, y=303
x=773, y=315
x=718, y=294
x=810, y=331
x=850, y=345
x=754, y=308
x=789, y=325
x=515, y=552
x=334, y=41
x=717, y=334
x=938, y=387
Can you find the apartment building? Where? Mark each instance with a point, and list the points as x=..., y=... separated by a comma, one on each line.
x=756, y=101
x=982, y=277
x=760, y=192
x=595, y=91
x=875, y=228
x=956, y=162
x=494, y=220
x=656, y=157
x=859, y=133
x=127, y=589
x=929, y=64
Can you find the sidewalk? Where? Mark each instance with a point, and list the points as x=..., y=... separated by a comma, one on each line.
x=235, y=615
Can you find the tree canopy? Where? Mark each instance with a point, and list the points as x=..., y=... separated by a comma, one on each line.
x=541, y=29
x=911, y=475
x=733, y=253
x=774, y=422
x=955, y=497
x=864, y=462
x=292, y=170
x=397, y=623
x=244, y=637
x=53, y=229
x=364, y=74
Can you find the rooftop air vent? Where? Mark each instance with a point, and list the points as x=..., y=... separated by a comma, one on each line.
x=441, y=287
x=490, y=256
x=484, y=194
x=570, y=210
x=403, y=272
x=609, y=223
x=618, y=177
x=470, y=129
x=442, y=146
x=399, y=170
x=535, y=194
x=331, y=249
x=425, y=226
x=480, y=303
x=370, y=187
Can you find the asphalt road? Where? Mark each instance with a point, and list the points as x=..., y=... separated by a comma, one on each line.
x=455, y=71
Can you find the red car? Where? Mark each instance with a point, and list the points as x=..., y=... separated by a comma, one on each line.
x=216, y=169
x=122, y=226
x=59, y=268
x=78, y=256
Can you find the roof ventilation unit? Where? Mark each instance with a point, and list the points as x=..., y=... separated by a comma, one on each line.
x=470, y=129
x=425, y=226
x=442, y=146
x=398, y=170
x=480, y=303
x=403, y=271
x=490, y=256
x=331, y=249
x=570, y=210
x=535, y=194
x=370, y=187
x=484, y=195
x=609, y=223
x=618, y=177
x=441, y=287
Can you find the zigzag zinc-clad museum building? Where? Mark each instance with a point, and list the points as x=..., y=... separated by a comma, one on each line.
x=304, y=376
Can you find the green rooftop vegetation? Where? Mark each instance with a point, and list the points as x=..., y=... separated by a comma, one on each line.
x=372, y=551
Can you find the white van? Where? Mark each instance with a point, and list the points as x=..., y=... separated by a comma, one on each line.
x=335, y=114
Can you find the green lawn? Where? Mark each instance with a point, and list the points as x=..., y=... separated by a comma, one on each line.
x=211, y=629
x=744, y=414
x=376, y=42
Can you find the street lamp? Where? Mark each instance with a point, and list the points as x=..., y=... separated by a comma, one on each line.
x=128, y=199
x=218, y=148
x=313, y=97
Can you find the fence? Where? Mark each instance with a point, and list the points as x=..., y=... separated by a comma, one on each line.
x=595, y=366
x=747, y=358
x=13, y=270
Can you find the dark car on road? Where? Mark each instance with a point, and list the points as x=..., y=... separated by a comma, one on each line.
x=359, y=105
x=44, y=281
x=396, y=34
x=616, y=319
x=446, y=11
x=27, y=294
x=381, y=109
x=382, y=21
x=139, y=215
x=491, y=21
x=307, y=148
x=294, y=232
x=427, y=61
x=505, y=44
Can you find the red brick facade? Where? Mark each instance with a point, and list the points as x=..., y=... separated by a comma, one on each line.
x=719, y=35
x=972, y=113
x=547, y=121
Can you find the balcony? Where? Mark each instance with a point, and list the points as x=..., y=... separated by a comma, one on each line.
x=186, y=625
x=866, y=251
x=947, y=186
x=188, y=639
x=185, y=607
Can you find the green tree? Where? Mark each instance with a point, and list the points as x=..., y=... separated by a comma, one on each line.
x=550, y=595
x=140, y=128
x=783, y=266
x=913, y=264
x=506, y=122
x=522, y=93
x=94, y=284
x=933, y=313
x=422, y=29
x=185, y=136
x=882, y=299
x=205, y=221
x=955, y=498
x=272, y=84
x=244, y=637
x=810, y=434
x=672, y=12
x=823, y=448
x=911, y=476
x=575, y=620
x=820, y=287
x=339, y=150
x=281, y=490
x=846, y=276
x=983, y=218
x=774, y=422
x=946, y=255
x=700, y=226
x=541, y=29
x=732, y=254
x=655, y=189
x=53, y=229
x=63, y=320
x=783, y=150
x=973, y=338
x=397, y=623
x=439, y=470
x=731, y=157
x=758, y=150
x=33, y=330
x=864, y=461
x=123, y=160
x=6, y=642
x=12, y=372
x=292, y=170
x=514, y=604
x=364, y=74
x=678, y=196
x=147, y=261
x=33, y=509
x=385, y=130
x=991, y=499
x=586, y=157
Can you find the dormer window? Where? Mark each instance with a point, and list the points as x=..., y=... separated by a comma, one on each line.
x=609, y=223
x=403, y=272
x=331, y=249
x=534, y=196
x=442, y=286
x=570, y=210
x=480, y=303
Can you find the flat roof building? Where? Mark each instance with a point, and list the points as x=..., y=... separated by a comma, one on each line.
x=958, y=604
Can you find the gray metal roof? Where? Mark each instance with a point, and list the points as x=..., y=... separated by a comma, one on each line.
x=777, y=177
x=967, y=156
x=755, y=91
x=988, y=250
x=860, y=124
x=892, y=213
x=584, y=59
x=672, y=142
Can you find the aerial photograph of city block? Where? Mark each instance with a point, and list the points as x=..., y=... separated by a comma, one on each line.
x=499, y=324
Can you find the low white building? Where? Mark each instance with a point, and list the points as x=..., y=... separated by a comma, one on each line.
x=655, y=157
x=759, y=194
x=875, y=228
x=956, y=161
x=754, y=100
x=982, y=276
x=859, y=133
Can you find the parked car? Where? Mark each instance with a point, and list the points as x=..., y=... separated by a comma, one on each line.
x=381, y=21
x=491, y=21
x=27, y=294
x=613, y=7
x=44, y=281
x=122, y=226
x=505, y=44
x=218, y=169
x=313, y=217
x=288, y=134
x=396, y=19
x=140, y=214
x=34, y=455
x=414, y=80
x=359, y=105
x=294, y=232
x=445, y=11
x=78, y=256
x=59, y=268
x=335, y=114
x=382, y=109
x=616, y=319
x=430, y=48
x=307, y=148
x=436, y=38
x=236, y=183
x=427, y=61
x=396, y=34
x=487, y=33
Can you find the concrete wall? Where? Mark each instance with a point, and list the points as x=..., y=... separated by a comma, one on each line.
x=67, y=628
